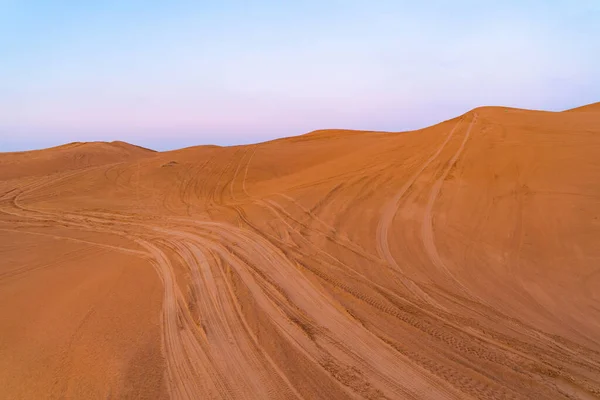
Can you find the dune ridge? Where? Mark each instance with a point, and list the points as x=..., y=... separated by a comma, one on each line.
x=458, y=261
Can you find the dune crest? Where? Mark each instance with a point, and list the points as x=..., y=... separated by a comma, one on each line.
x=595, y=107
x=459, y=261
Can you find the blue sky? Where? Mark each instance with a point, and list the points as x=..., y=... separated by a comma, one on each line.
x=181, y=73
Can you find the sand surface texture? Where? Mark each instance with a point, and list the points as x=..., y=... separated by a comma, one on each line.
x=460, y=261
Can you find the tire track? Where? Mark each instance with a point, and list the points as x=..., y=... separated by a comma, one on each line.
x=388, y=213
x=427, y=225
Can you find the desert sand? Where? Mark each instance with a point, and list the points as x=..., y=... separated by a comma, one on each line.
x=459, y=261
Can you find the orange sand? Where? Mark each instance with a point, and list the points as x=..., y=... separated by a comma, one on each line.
x=459, y=261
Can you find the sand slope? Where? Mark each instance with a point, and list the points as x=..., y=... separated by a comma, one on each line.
x=458, y=261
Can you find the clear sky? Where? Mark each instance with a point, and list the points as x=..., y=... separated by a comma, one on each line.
x=178, y=73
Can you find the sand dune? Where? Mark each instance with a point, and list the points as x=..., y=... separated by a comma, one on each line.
x=460, y=261
x=67, y=157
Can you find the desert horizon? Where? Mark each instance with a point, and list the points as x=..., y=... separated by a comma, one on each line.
x=454, y=261
x=582, y=108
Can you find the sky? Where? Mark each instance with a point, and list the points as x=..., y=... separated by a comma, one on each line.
x=170, y=74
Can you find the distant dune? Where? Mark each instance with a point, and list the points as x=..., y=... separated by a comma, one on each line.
x=459, y=261
x=67, y=157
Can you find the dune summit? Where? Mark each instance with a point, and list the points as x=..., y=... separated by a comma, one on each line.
x=460, y=261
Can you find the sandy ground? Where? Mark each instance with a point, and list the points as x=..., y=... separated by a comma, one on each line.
x=460, y=261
